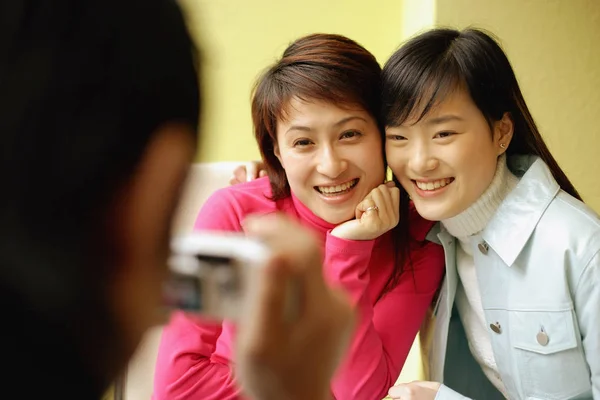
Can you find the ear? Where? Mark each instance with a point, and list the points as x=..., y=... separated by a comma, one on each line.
x=503, y=132
x=140, y=225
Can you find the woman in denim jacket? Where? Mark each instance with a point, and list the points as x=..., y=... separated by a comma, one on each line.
x=518, y=315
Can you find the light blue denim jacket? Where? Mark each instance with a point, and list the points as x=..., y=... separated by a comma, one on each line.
x=538, y=267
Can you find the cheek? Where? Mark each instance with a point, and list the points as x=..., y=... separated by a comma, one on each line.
x=481, y=161
x=296, y=168
x=396, y=162
x=371, y=160
x=477, y=169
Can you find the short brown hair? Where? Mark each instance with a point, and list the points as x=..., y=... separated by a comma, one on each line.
x=323, y=67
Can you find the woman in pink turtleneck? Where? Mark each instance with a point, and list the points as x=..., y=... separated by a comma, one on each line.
x=314, y=115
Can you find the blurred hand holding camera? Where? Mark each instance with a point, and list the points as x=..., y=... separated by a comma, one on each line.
x=270, y=345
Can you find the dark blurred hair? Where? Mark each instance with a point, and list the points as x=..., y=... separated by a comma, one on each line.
x=83, y=86
x=317, y=67
x=433, y=64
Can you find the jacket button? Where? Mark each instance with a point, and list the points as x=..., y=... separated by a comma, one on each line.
x=542, y=338
x=496, y=327
x=483, y=247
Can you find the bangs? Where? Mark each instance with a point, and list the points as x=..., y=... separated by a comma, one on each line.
x=305, y=83
x=411, y=88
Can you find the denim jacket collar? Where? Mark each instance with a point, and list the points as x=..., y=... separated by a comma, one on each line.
x=518, y=215
x=516, y=218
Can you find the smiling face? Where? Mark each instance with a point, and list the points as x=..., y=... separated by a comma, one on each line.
x=331, y=156
x=447, y=160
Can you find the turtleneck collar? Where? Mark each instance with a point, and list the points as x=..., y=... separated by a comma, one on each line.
x=319, y=225
x=475, y=218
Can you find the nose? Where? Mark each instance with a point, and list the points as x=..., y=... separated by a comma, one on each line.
x=330, y=163
x=422, y=160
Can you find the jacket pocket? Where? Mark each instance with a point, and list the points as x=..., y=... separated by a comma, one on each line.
x=548, y=354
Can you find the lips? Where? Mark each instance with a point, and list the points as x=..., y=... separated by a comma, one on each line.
x=336, y=190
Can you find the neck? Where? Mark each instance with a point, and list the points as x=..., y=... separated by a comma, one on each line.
x=475, y=218
x=318, y=225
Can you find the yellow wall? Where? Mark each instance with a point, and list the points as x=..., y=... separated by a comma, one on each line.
x=241, y=37
x=555, y=51
x=417, y=16
x=552, y=44
x=553, y=47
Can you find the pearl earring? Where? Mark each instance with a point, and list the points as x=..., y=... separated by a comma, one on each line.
x=503, y=145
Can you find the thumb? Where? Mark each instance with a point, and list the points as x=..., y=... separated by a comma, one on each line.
x=427, y=384
x=398, y=391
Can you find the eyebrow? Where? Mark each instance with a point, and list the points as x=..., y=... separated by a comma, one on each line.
x=337, y=124
x=443, y=118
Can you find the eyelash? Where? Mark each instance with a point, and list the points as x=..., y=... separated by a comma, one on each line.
x=446, y=133
x=308, y=142
x=302, y=143
x=355, y=134
x=395, y=137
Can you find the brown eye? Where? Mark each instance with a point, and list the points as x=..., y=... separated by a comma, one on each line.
x=395, y=137
x=350, y=135
x=444, y=134
x=302, y=143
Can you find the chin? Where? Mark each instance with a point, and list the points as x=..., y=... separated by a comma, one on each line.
x=337, y=218
x=337, y=221
x=431, y=213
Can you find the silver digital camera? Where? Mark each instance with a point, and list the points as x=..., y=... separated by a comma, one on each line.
x=210, y=272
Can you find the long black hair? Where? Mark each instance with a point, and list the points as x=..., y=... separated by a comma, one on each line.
x=433, y=64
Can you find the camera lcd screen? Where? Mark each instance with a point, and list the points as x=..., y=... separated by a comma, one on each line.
x=213, y=290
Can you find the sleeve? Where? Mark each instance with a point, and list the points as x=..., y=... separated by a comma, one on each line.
x=221, y=212
x=385, y=332
x=186, y=367
x=587, y=299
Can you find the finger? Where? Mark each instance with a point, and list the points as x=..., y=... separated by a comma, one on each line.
x=251, y=171
x=262, y=172
x=383, y=200
x=388, y=192
x=427, y=384
x=298, y=248
x=399, y=392
x=395, y=192
x=261, y=326
x=366, y=204
x=239, y=174
x=392, y=198
x=277, y=231
x=267, y=297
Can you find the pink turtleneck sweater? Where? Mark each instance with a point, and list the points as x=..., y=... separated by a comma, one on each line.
x=195, y=358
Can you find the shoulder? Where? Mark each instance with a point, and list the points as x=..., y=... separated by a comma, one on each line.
x=574, y=228
x=226, y=208
x=254, y=196
x=568, y=230
x=571, y=222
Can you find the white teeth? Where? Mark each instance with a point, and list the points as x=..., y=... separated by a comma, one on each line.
x=338, y=188
x=433, y=185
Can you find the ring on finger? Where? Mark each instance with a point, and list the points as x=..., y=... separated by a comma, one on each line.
x=372, y=208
